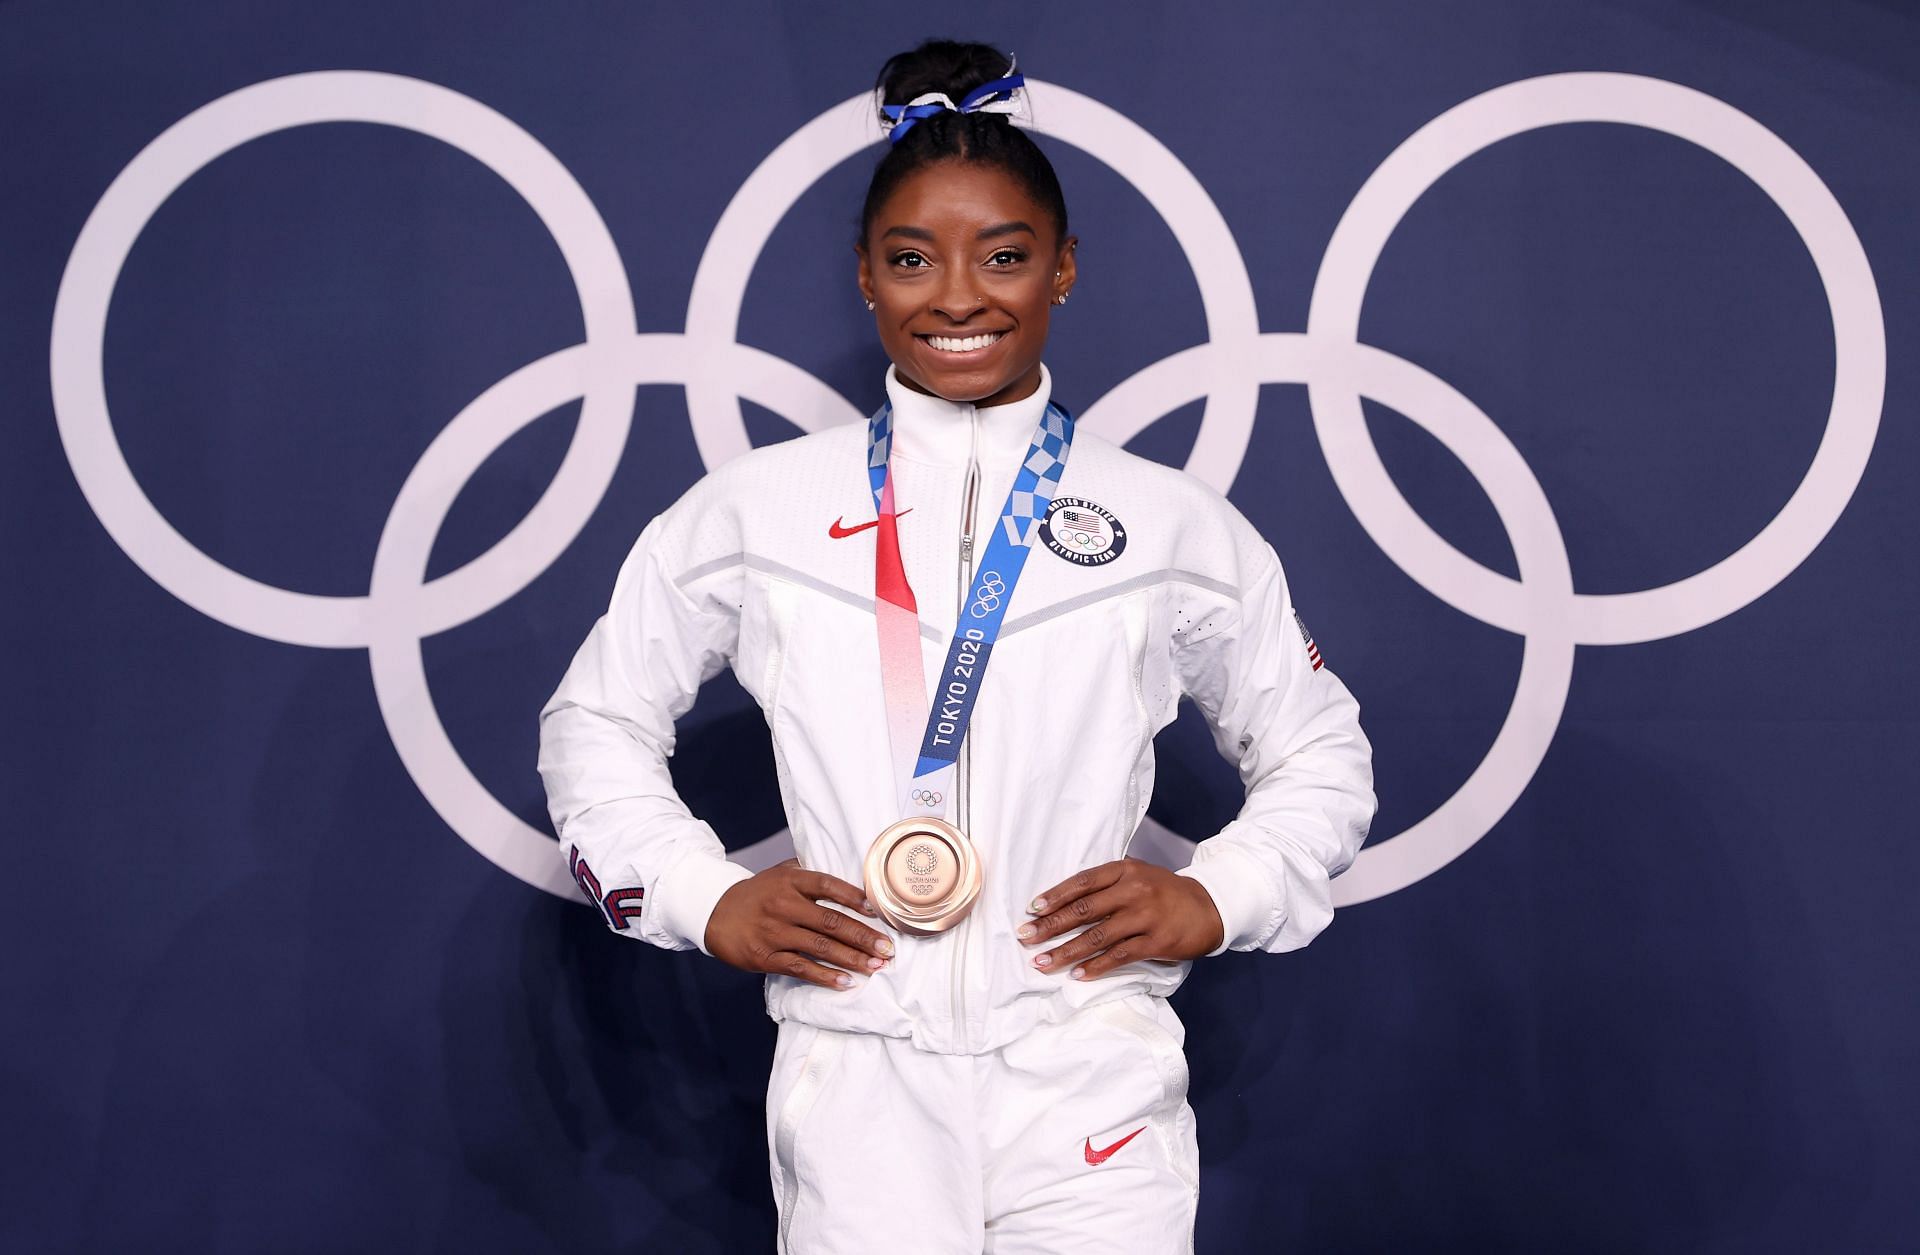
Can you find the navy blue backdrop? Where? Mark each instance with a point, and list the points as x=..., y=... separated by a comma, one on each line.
x=279, y=973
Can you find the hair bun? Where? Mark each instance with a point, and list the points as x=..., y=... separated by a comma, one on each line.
x=946, y=101
x=940, y=65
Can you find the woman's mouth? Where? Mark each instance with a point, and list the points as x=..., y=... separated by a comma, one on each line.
x=962, y=344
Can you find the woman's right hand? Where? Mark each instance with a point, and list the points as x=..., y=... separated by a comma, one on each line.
x=778, y=921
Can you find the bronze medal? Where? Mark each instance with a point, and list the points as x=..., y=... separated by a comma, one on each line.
x=922, y=875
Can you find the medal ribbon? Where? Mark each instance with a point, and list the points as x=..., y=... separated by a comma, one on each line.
x=937, y=728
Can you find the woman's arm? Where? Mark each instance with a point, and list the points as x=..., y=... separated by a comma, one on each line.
x=605, y=738
x=634, y=847
x=1293, y=729
x=1262, y=882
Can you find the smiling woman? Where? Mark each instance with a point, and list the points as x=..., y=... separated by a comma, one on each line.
x=975, y=1048
x=962, y=282
x=963, y=240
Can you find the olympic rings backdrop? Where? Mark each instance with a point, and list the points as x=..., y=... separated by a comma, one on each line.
x=1564, y=351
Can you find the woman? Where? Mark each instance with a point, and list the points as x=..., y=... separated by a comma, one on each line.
x=975, y=1050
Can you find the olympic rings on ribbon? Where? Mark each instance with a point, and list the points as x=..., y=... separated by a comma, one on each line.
x=992, y=588
x=402, y=607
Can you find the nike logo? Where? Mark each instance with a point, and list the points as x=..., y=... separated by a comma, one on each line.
x=1098, y=1157
x=839, y=531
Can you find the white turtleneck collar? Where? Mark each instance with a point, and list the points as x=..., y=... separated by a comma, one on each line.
x=934, y=430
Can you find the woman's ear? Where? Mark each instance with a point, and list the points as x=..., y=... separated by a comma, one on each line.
x=865, y=276
x=1067, y=270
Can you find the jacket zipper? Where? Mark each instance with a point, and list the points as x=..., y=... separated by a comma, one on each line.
x=963, y=775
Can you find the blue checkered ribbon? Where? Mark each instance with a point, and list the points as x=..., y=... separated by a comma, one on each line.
x=994, y=578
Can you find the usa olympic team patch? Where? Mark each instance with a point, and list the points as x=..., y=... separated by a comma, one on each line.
x=1082, y=532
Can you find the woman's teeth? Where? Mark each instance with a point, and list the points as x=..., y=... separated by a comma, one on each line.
x=953, y=344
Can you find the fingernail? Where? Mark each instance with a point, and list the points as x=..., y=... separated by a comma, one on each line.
x=885, y=947
x=1036, y=906
x=1045, y=960
x=867, y=906
x=876, y=964
x=1078, y=973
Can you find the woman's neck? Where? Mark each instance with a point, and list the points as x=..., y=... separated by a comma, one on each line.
x=1018, y=390
x=934, y=430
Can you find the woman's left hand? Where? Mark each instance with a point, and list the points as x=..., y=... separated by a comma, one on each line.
x=1131, y=911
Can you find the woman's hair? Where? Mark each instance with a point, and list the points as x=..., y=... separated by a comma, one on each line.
x=943, y=65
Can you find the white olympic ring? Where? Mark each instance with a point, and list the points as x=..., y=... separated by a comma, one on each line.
x=402, y=607
x=928, y=797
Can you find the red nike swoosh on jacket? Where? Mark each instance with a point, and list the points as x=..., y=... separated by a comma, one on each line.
x=837, y=530
x=1098, y=1157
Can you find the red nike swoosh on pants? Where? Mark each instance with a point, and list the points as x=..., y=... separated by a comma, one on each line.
x=838, y=531
x=1098, y=1157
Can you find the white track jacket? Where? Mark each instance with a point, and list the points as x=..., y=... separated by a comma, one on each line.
x=764, y=566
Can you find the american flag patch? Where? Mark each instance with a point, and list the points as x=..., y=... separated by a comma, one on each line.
x=1313, y=650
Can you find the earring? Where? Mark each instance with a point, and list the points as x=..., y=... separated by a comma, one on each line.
x=1060, y=299
x=869, y=304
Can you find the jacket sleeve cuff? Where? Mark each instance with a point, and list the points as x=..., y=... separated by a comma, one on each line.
x=1238, y=886
x=685, y=897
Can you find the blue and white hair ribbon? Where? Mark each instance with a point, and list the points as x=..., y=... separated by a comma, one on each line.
x=994, y=97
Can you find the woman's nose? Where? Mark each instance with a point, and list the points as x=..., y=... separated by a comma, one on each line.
x=959, y=295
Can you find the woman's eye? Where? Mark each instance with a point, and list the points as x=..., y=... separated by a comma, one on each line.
x=912, y=261
x=1007, y=257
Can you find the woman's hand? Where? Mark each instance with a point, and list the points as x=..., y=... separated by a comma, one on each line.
x=1132, y=911
x=777, y=922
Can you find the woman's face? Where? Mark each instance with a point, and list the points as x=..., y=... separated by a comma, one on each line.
x=962, y=267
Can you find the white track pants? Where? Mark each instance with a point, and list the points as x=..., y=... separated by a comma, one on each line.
x=1076, y=1138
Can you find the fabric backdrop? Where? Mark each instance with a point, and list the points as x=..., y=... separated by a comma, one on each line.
x=1564, y=351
